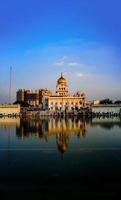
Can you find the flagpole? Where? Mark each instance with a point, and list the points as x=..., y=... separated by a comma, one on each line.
x=10, y=84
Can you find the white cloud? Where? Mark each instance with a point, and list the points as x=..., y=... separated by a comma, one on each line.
x=73, y=64
x=64, y=58
x=61, y=61
x=81, y=74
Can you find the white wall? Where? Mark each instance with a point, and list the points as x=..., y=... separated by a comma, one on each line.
x=105, y=109
x=6, y=109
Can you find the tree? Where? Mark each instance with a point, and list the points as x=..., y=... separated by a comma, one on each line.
x=106, y=101
x=22, y=103
x=117, y=102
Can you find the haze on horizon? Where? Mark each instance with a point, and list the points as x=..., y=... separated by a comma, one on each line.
x=42, y=38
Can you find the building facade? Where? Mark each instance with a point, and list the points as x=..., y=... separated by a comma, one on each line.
x=62, y=101
x=33, y=98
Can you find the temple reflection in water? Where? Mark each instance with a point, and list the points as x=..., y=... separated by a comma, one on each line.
x=61, y=131
x=62, y=128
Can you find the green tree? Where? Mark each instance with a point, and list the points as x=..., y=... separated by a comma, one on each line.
x=106, y=101
x=117, y=102
x=22, y=103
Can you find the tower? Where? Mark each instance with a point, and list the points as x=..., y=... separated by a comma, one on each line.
x=62, y=87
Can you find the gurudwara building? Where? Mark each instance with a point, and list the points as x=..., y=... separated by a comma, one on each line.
x=63, y=101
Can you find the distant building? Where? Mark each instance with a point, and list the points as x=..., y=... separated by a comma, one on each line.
x=34, y=98
x=9, y=109
x=96, y=102
x=62, y=101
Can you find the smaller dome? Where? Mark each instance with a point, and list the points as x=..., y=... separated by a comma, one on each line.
x=78, y=94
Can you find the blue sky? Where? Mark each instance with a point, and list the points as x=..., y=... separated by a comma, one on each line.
x=42, y=38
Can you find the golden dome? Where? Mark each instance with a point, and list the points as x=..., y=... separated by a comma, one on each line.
x=62, y=80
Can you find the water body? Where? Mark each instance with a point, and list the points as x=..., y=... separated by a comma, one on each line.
x=61, y=157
